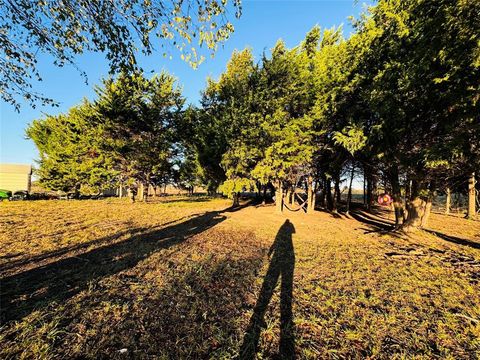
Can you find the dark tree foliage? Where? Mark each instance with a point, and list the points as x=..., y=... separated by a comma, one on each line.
x=399, y=97
x=127, y=136
x=397, y=102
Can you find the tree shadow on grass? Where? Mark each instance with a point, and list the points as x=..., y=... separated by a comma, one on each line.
x=282, y=266
x=455, y=240
x=42, y=259
x=185, y=199
x=377, y=224
x=58, y=281
x=335, y=214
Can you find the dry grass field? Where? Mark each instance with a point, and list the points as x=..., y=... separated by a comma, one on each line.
x=189, y=278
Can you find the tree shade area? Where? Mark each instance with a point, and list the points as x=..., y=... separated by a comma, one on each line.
x=396, y=102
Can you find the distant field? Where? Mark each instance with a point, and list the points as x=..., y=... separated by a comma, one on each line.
x=188, y=278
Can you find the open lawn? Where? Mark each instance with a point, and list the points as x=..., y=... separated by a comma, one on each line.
x=190, y=278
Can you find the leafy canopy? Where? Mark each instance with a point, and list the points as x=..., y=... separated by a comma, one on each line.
x=119, y=29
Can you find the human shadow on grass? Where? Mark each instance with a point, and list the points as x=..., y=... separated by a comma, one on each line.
x=282, y=266
x=58, y=281
x=192, y=316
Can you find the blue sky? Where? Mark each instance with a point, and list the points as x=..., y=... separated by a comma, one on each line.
x=263, y=22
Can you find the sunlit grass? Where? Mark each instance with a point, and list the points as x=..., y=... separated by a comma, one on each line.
x=178, y=278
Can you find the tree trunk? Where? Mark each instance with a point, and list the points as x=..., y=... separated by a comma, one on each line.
x=236, y=199
x=471, y=212
x=369, y=190
x=408, y=196
x=279, y=198
x=328, y=193
x=374, y=189
x=335, y=196
x=364, y=189
x=338, y=194
x=144, y=191
x=323, y=193
x=428, y=209
x=131, y=195
x=264, y=194
x=448, y=201
x=322, y=198
x=314, y=198
x=428, y=206
x=418, y=208
x=310, y=196
x=397, y=196
x=349, y=197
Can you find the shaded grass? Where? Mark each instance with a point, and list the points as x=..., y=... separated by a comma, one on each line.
x=176, y=308
x=60, y=280
x=30, y=231
x=191, y=280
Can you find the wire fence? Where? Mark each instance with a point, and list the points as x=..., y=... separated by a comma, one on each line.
x=458, y=202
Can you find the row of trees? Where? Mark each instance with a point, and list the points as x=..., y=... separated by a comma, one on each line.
x=126, y=137
x=397, y=102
